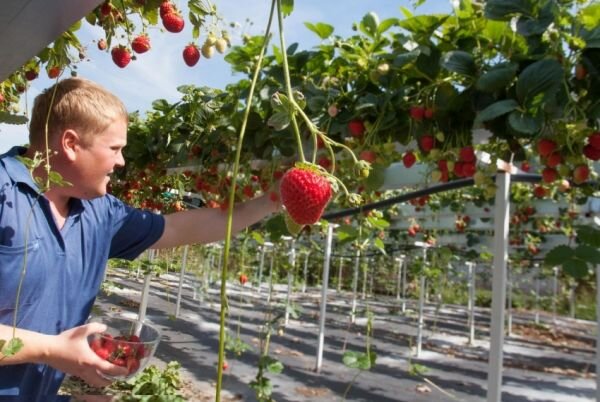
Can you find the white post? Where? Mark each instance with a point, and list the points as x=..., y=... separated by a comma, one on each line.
x=355, y=285
x=364, y=280
x=271, y=266
x=554, y=293
x=324, y=287
x=471, y=303
x=292, y=260
x=404, y=264
x=598, y=333
x=145, y=294
x=261, y=264
x=421, y=299
x=501, y=220
x=537, y=293
x=181, y=277
x=340, y=271
x=509, y=278
x=399, y=260
x=305, y=273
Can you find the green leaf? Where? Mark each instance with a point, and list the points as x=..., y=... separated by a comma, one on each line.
x=589, y=16
x=459, y=62
x=423, y=24
x=323, y=30
x=591, y=38
x=524, y=123
x=369, y=24
x=378, y=223
x=9, y=118
x=498, y=78
x=542, y=77
x=405, y=58
x=12, y=347
x=258, y=237
x=380, y=245
x=350, y=359
x=588, y=254
x=504, y=10
x=588, y=235
x=271, y=364
x=292, y=227
x=279, y=121
x=576, y=268
x=496, y=109
x=376, y=178
x=386, y=24
x=346, y=232
x=558, y=255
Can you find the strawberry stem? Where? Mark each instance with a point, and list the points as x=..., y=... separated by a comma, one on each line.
x=288, y=84
x=231, y=202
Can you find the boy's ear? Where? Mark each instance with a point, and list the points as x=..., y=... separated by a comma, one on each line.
x=70, y=142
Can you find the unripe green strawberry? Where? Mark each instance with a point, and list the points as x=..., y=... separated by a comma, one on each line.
x=221, y=45
x=120, y=56
x=211, y=39
x=305, y=193
x=207, y=50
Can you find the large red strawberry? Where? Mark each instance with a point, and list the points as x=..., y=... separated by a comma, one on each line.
x=594, y=139
x=581, y=173
x=166, y=7
x=545, y=147
x=191, y=55
x=141, y=44
x=409, y=159
x=427, y=143
x=591, y=153
x=356, y=128
x=305, y=193
x=121, y=56
x=173, y=22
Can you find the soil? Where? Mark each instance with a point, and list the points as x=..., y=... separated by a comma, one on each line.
x=547, y=362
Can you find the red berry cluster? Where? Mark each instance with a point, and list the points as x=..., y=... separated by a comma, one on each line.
x=123, y=350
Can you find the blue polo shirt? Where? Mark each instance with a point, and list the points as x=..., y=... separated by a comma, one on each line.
x=64, y=267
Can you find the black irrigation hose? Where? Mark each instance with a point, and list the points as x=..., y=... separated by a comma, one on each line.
x=451, y=185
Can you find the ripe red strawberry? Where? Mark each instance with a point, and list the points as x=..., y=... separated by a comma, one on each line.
x=416, y=113
x=368, y=156
x=31, y=75
x=141, y=44
x=580, y=72
x=469, y=169
x=539, y=191
x=545, y=147
x=1, y=98
x=428, y=113
x=191, y=55
x=173, y=22
x=581, y=173
x=525, y=166
x=553, y=160
x=409, y=159
x=427, y=143
x=356, y=128
x=466, y=154
x=591, y=153
x=549, y=175
x=166, y=7
x=305, y=193
x=594, y=139
x=243, y=279
x=53, y=72
x=102, y=44
x=120, y=56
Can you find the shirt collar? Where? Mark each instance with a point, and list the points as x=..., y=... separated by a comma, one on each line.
x=16, y=170
x=19, y=173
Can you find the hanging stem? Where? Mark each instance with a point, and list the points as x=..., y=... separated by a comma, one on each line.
x=288, y=84
x=236, y=168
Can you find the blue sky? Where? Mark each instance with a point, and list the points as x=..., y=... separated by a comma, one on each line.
x=157, y=74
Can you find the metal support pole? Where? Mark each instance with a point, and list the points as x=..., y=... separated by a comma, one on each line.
x=364, y=280
x=554, y=293
x=501, y=220
x=355, y=286
x=509, y=284
x=537, y=293
x=305, y=273
x=324, y=286
x=421, y=303
x=288, y=299
x=261, y=264
x=400, y=261
x=405, y=266
x=471, y=303
x=271, y=266
x=181, y=278
x=340, y=272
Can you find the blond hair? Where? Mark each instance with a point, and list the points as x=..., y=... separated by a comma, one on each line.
x=78, y=104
